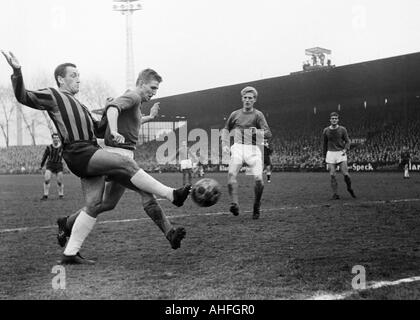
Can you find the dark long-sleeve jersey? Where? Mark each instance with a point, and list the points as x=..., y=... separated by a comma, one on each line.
x=71, y=118
x=241, y=120
x=53, y=154
x=335, y=139
x=405, y=156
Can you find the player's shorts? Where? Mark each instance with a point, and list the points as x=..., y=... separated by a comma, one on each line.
x=249, y=154
x=121, y=151
x=55, y=167
x=186, y=164
x=335, y=157
x=267, y=160
x=77, y=156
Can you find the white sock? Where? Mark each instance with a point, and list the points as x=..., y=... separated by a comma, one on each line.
x=46, y=189
x=83, y=225
x=146, y=182
x=61, y=190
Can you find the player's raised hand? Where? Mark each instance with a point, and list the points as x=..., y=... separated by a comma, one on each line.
x=116, y=137
x=11, y=59
x=154, y=111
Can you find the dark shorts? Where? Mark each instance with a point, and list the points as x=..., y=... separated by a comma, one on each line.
x=267, y=160
x=77, y=156
x=404, y=162
x=55, y=167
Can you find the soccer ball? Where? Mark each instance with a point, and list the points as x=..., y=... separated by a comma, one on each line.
x=206, y=192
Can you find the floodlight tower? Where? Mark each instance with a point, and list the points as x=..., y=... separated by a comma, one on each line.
x=127, y=7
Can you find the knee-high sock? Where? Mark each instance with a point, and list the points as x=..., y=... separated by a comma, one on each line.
x=258, y=191
x=233, y=192
x=348, y=181
x=189, y=177
x=154, y=211
x=146, y=182
x=81, y=229
x=46, y=188
x=60, y=187
x=184, y=177
x=71, y=219
x=334, y=184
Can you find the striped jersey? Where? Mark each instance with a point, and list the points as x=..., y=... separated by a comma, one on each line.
x=72, y=119
x=53, y=154
x=240, y=121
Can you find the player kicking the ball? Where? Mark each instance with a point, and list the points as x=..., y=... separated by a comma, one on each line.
x=336, y=142
x=244, y=150
x=124, y=119
x=84, y=157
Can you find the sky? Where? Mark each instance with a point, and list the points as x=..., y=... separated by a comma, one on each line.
x=201, y=44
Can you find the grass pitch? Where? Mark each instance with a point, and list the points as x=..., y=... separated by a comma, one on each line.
x=303, y=245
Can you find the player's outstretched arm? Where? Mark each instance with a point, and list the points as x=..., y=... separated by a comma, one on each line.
x=41, y=100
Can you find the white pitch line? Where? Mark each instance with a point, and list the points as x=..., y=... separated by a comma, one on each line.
x=373, y=285
x=24, y=229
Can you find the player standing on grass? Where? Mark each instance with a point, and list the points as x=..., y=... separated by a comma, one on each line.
x=405, y=161
x=124, y=120
x=336, y=142
x=242, y=122
x=83, y=155
x=54, y=154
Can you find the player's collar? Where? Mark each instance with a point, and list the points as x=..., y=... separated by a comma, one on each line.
x=332, y=128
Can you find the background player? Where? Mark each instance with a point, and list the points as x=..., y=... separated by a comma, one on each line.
x=54, y=154
x=336, y=142
x=405, y=161
x=267, y=159
x=244, y=150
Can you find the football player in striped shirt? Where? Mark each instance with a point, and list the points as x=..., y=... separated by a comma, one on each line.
x=124, y=120
x=84, y=157
x=54, y=154
x=336, y=143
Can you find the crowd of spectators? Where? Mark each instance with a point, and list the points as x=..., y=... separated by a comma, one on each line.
x=377, y=137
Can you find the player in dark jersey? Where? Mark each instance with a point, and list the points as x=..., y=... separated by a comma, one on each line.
x=121, y=137
x=54, y=154
x=84, y=157
x=248, y=126
x=336, y=143
x=405, y=161
x=267, y=159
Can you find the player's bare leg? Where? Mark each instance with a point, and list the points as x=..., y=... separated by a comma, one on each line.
x=334, y=184
x=60, y=184
x=268, y=173
x=126, y=171
x=345, y=171
x=406, y=174
x=111, y=196
x=93, y=189
x=47, y=184
x=233, y=187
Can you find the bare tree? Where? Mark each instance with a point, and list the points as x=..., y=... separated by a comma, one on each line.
x=93, y=93
x=7, y=107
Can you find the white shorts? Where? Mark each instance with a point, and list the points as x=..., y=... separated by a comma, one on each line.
x=249, y=154
x=335, y=157
x=186, y=164
x=121, y=151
